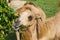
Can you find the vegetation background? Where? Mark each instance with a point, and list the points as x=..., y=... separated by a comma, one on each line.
x=7, y=16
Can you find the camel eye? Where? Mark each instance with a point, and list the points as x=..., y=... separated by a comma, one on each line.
x=30, y=18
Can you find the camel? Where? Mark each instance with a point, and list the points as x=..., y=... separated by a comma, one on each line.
x=55, y=20
x=34, y=25
x=15, y=4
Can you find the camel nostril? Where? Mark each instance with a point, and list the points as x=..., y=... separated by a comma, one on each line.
x=19, y=21
x=16, y=24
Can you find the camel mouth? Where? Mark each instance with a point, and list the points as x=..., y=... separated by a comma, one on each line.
x=24, y=27
x=18, y=26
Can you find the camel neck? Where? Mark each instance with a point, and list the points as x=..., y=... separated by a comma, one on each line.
x=30, y=33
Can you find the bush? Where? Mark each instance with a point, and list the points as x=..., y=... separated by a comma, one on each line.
x=7, y=17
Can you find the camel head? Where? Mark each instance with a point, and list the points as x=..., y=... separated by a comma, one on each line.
x=26, y=18
x=28, y=14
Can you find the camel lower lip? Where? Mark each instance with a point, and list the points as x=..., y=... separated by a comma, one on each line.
x=16, y=26
x=24, y=26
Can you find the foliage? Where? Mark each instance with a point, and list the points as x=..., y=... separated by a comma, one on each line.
x=7, y=17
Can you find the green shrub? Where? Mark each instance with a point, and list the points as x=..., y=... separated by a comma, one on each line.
x=7, y=17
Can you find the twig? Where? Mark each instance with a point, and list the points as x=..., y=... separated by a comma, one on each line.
x=17, y=35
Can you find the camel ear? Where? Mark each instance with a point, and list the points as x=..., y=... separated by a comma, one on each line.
x=40, y=18
x=30, y=3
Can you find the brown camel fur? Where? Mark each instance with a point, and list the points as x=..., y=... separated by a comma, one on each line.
x=16, y=4
x=40, y=28
x=55, y=20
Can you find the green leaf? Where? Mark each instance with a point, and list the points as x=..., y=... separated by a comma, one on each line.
x=15, y=14
x=0, y=26
x=0, y=18
x=1, y=8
